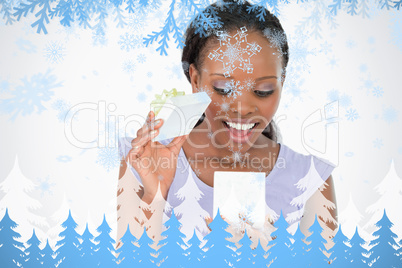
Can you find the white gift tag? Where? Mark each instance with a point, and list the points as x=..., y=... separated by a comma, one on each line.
x=180, y=114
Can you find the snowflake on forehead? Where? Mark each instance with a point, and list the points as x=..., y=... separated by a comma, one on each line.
x=249, y=84
x=234, y=52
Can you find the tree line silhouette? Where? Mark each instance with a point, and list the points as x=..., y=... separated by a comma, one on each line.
x=286, y=250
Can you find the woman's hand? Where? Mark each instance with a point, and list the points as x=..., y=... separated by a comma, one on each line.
x=155, y=163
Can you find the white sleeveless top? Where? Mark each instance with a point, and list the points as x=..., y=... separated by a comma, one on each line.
x=292, y=181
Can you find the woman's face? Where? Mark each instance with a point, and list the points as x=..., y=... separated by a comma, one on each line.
x=242, y=75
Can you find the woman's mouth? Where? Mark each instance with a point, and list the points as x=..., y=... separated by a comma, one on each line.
x=239, y=132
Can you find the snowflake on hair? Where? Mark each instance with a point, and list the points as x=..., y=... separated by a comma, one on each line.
x=276, y=38
x=234, y=52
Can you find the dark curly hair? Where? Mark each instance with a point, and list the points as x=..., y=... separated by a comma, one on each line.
x=232, y=15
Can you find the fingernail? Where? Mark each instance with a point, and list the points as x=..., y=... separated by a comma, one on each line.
x=157, y=121
x=153, y=132
x=136, y=147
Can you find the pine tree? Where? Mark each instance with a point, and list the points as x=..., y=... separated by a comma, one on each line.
x=195, y=255
x=389, y=189
x=172, y=253
x=383, y=252
x=220, y=251
x=350, y=218
x=356, y=253
x=21, y=206
x=127, y=250
x=105, y=246
x=192, y=215
x=246, y=256
x=68, y=254
x=340, y=250
x=11, y=254
x=259, y=256
x=280, y=252
x=143, y=255
x=87, y=249
x=32, y=252
x=298, y=248
x=47, y=256
x=315, y=256
x=128, y=199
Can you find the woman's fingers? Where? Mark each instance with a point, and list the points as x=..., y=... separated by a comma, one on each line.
x=176, y=144
x=149, y=126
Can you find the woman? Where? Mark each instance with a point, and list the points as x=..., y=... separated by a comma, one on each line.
x=242, y=67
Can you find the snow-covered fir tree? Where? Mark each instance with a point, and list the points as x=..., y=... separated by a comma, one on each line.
x=33, y=258
x=390, y=191
x=21, y=206
x=128, y=200
x=11, y=250
x=191, y=214
x=384, y=251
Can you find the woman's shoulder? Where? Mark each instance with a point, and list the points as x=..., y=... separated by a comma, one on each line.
x=303, y=164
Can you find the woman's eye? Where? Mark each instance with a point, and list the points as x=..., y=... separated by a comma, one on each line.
x=260, y=93
x=222, y=91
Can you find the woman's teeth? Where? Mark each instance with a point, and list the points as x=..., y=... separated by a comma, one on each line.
x=240, y=126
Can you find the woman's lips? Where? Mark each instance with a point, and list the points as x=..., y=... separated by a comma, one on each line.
x=239, y=136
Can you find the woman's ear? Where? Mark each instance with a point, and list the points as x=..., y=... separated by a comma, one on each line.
x=194, y=78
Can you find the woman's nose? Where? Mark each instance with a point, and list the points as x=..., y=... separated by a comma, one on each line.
x=243, y=106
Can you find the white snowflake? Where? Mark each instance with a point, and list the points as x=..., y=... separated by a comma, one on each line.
x=141, y=97
x=233, y=89
x=249, y=84
x=352, y=114
x=390, y=115
x=54, y=52
x=108, y=158
x=136, y=22
x=377, y=143
x=237, y=156
x=129, y=42
x=45, y=186
x=276, y=38
x=210, y=135
x=62, y=109
x=141, y=58
x=224, y=107
x=235, y=52
x=205, y=89
x=378, y=92
x=64, y=158
x=129, y=66
x=30, y=95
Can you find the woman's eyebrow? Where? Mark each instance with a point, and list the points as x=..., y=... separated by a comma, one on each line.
x=265, y=77
x=256, y=80
x=221, y=75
